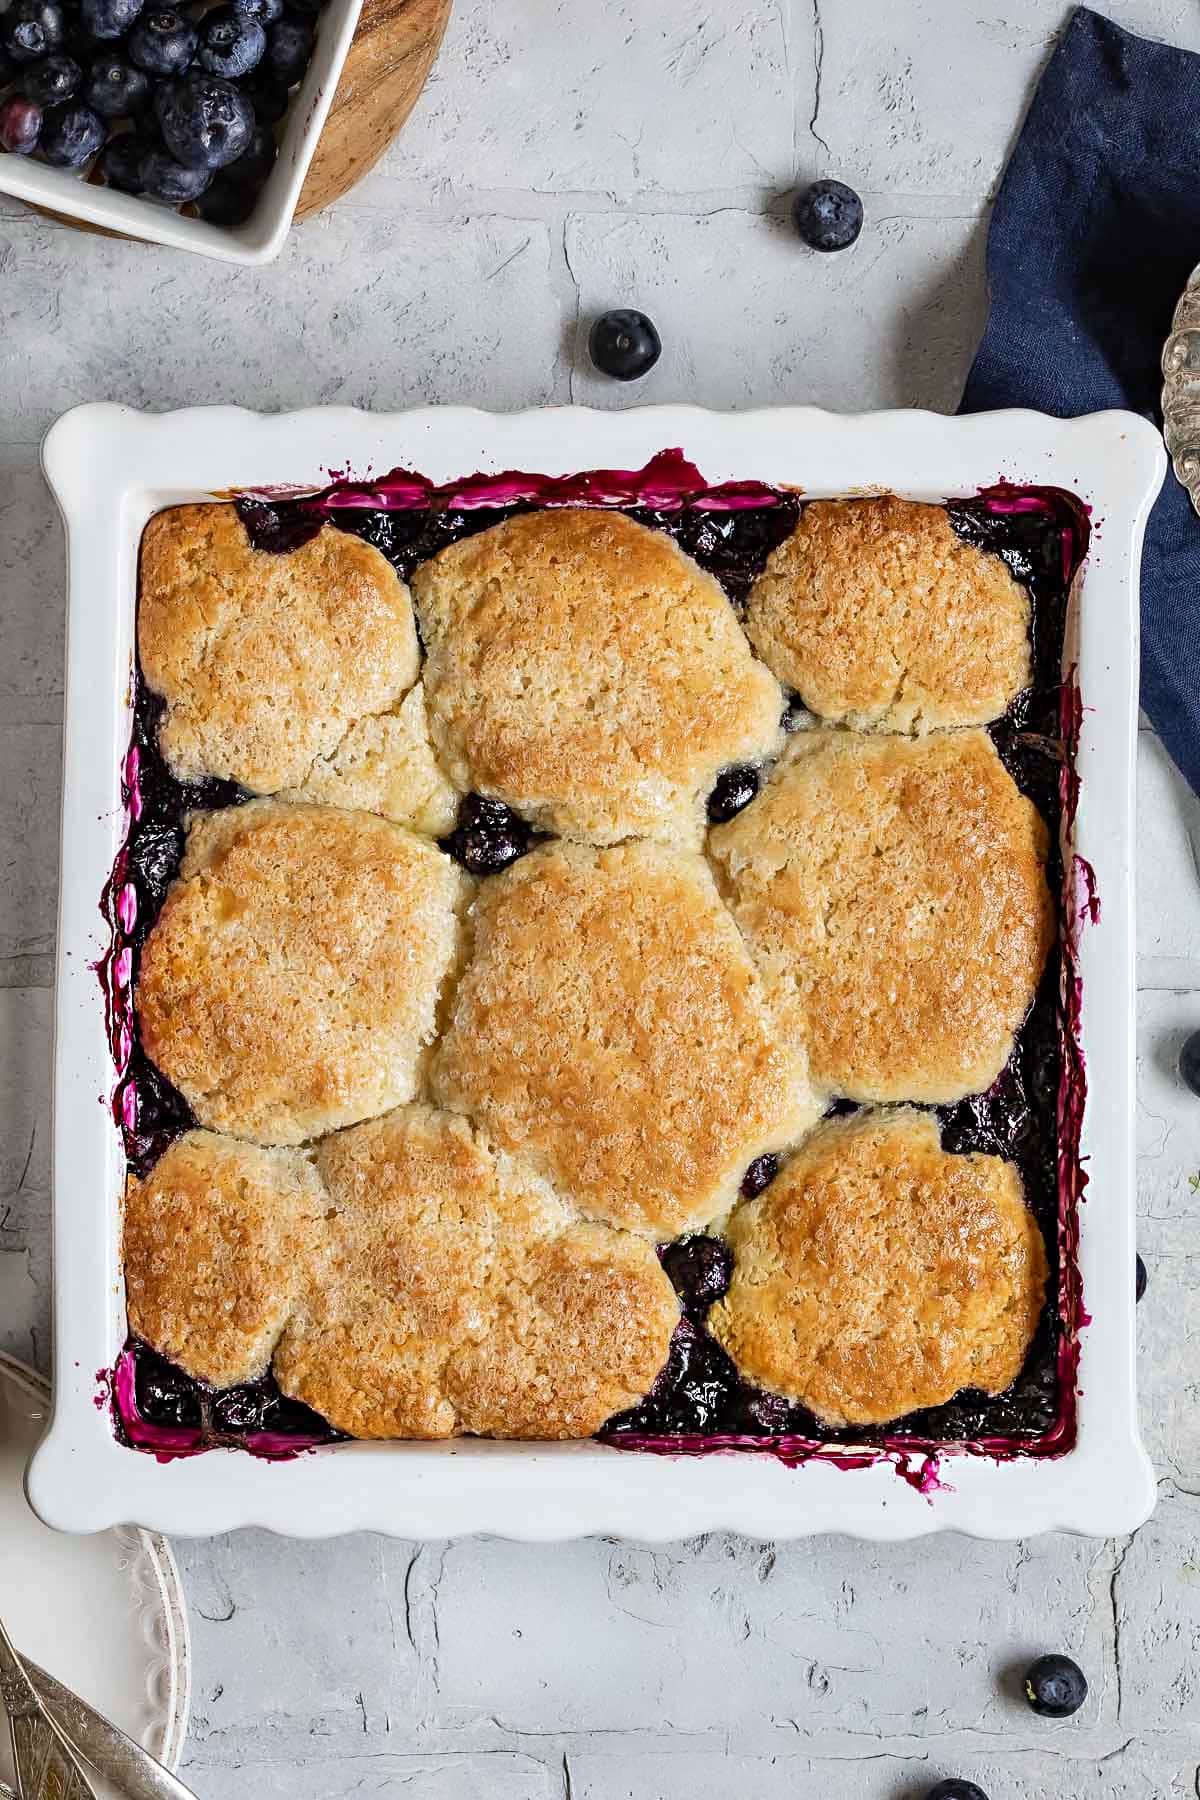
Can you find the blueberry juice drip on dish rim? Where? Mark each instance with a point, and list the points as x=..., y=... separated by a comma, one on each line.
x=699, y=1402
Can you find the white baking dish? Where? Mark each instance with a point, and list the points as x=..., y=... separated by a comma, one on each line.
x=110, y=469
x=262, y=236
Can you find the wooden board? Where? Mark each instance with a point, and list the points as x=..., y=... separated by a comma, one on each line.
x=392, y=53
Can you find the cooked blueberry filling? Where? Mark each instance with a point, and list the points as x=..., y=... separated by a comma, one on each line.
x=734, y=788
x=794, y=714
x=699, y=1268
x=487, y=836
x=698, y=1393
x=759, y=1175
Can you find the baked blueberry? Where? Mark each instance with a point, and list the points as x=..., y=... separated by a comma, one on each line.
x=1189, y=1062
x=31, y=29
x=1139, y=1278
x=955, y=1788
x=71, y=135
x=165, y=1395
x=760, y=1174
x=227, y=202
x=265, y=11
x=699, y=1268
x=624, y=344
x=205, y=121
x=289, y=46
x=734, y=789
x=794, y=714
x=51, y=81
x=163, y=42
x=20, y=125
x=115, y=89
x=828, y=215
x=121, y=167
x=106, y=19
x=488, y=836
x=1055, y=1686
x=169, y=180
x=230, y=43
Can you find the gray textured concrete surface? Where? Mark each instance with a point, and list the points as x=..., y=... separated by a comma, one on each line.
x=568, y=156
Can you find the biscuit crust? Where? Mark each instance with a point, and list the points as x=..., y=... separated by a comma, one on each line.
x=385, y=764
x=266, y=661
x=610, y=1028
x=290, y=984
x=215, y=1240
x=880, y=616
x=585, y=671
x=878, y=1274
x=893, y=895
x=462, y=1296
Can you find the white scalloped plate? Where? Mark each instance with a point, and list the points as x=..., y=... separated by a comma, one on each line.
x=105, y=1614
x=110, y=469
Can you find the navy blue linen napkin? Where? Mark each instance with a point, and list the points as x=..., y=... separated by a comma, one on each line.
x=1095, y=232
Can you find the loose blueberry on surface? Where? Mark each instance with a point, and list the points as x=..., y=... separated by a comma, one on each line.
x=487, y=836
x=115, y=89
x=169, y=180
x=734, y=789
x=230, y=43
x=760, y=1174
x=31, y=29
x=206, y=122
x=1189, y=1062
x=227, y=202
x=955, y=1788
x=121, y=167
x=1139, y=1279
x=265, y=11
x=289, y=46
x=51, y=82
x=699, y=1269
x=1055, y=1687
x=20, y=125
x=828, y=215
x=163, y=42
x=71, y=135
x=624, y=344
x=108, y=19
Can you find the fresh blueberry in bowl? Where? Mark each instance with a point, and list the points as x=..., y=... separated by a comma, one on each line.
x=1055, y=1687
x=71, y=135
x=169, y=180
x=289, y=46
x=121, y=164
x=31, y=29
x=230, y=43
x=108, y=19
x=264, y=11
x=227, y=202
x=623, y=343
x=257, y=159
x=733, y=790
x=115, y=89
x=51, y=81
x=163, y=42
x=828, y=215
x=20, y=125
x=268, y=97
x=955, y=1788
x=206, y=122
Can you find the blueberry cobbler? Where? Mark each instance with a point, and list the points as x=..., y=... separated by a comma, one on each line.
x=589, y=956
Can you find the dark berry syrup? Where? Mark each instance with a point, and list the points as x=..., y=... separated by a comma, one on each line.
x=1032, y=1114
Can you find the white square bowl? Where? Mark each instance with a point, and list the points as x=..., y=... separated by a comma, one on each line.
x=110, y=469
x=261, y=237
